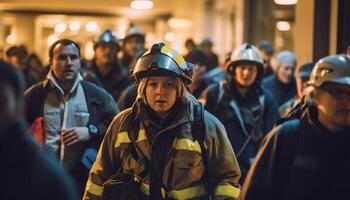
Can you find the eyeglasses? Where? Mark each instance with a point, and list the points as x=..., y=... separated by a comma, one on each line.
x=336, y=93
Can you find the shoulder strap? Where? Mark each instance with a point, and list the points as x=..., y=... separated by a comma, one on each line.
x=198, y=134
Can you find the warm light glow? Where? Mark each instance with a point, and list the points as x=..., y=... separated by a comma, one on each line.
x=141, y=4
x=11, y=39
x=283, y=26
x=60, y=28
x=74, y=26
x=179, y=23
x=89, y=50
x=51, y=39
x=169, y=36
x=286, y=2
x=92, y=26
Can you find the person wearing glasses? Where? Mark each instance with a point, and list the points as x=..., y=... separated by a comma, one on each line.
x=309, y=157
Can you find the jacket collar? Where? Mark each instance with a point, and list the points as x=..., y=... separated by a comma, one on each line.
x=52, y=80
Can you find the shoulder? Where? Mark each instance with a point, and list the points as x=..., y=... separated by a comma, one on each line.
x=34, y=89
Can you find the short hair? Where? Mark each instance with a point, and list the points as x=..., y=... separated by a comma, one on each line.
x=64, y=42
x=197, y=56
x=10, y=76
x=285, y=56
x=19, y=51
x=181, y=91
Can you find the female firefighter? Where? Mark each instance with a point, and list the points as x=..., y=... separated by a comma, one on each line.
x=154, y=150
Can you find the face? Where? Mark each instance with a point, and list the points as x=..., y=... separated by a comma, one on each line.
x=333, y=103
x=65, y=63
x=301, y=86
x=133, y=46
x=245, y=74
x=8, y=104
x=285, y=71
x=105, y=53
x=161, y=94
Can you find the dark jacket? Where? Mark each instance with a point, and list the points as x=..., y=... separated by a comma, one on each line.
x=258, y=119
x=115, y=82
x=100, y=105
x=281, y=92
x=28, y=173
x=178, y=156
x=304, y=162
x=127, y=97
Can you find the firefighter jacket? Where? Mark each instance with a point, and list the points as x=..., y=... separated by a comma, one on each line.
x=301, y=159
x=246, y=119
x=181, y=167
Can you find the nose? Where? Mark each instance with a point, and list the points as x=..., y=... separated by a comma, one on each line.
x=159, y=89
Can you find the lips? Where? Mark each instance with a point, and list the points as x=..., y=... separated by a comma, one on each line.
x=160, y=101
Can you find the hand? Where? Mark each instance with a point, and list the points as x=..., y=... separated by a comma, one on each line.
x=74, y=135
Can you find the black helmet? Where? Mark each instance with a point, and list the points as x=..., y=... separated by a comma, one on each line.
x=162, y=60
x=106, y=36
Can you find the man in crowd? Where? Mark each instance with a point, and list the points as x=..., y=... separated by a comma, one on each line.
x=28, y=173
x=69, y=115
x=309, y=157
x=105, y=70
x=302, y=77
x=266, y=51
x=282, y=84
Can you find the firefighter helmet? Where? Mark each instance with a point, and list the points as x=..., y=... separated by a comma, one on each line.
x=334, y=68
x=133, y=31
x=162, y=60
x=246, y=53
x=106, y=36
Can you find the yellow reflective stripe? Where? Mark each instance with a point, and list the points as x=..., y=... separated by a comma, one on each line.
x=227, y=190
x=179, y=59
x=94, y=189
x=188, y=193
x=187, y=144
x=173, y=54
x=165, y=49
x=123, y=137
x=142, y=135
x=145, y=189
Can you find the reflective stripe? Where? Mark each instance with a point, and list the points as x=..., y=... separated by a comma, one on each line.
x=174, y=55
x=145, y=189
x=187, y=144
x=188, y=193
x=123, y=137
x=94, y=189
x=227, y=190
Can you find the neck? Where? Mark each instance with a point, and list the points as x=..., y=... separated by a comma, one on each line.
x=242, y=90
x=104, y=68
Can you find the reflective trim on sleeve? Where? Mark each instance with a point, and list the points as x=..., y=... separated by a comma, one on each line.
x=227, y=190
x=93, y=188
x=145, y=189
x=188, y=193
x=187, y=144
x=123, y=137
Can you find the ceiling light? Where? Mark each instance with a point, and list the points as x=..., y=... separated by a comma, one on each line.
x=60, y=27
x=11, y=39
x=74, y=26
x=141, y=4
x=283, y=26
x=179, y=23
x=169, y=36
x=92, y=26
x=286, y=2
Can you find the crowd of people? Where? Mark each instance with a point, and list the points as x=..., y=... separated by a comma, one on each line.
x=137, y=123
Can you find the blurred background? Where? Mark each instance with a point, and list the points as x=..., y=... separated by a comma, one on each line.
x=310, y=28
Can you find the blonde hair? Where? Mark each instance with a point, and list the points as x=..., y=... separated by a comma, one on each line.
x=181, y=91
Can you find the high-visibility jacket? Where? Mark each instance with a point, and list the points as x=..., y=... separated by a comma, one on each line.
x=183, y=168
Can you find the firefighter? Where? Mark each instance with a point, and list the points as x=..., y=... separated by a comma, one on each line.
x=105, y=70
x=247, y=111
x=155, y=141
x=309, y=157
